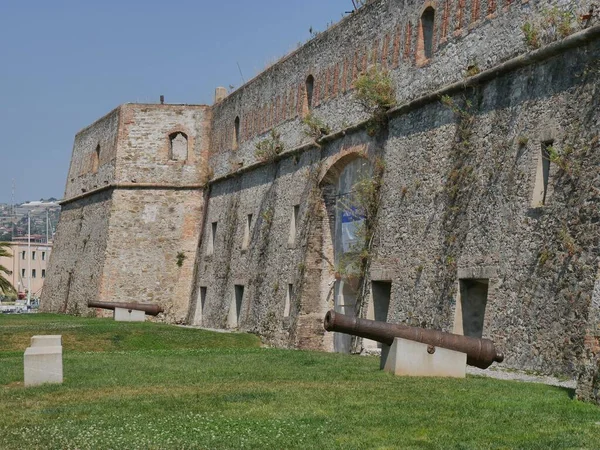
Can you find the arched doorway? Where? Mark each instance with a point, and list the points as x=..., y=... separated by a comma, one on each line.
x=347, y=238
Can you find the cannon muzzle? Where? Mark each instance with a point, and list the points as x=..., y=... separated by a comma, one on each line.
x=480, y=352
x=148, y=308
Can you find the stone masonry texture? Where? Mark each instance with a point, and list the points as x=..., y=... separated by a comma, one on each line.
x=510, y=88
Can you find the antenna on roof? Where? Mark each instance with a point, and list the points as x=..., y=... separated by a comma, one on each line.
x=241, y=74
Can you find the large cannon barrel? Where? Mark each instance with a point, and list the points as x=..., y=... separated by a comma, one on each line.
x=480, y=352
x=148, y=308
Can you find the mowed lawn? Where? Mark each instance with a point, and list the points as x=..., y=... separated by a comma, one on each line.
x=157, y=386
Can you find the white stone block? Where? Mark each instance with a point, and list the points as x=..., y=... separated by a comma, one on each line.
x=42, y=361
x=410, y=358
x=46, y=341
x=129, y=315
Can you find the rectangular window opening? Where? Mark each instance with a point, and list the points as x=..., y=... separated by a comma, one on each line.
x=43, y=273
x=546, y=148
x=235, y=309
x=542, y=176
x=43, y=256
x=33, y=256
x=294, y=225
x=22, y=273
x=201, y=304
x=379, y=305
x=288, y=300
x=473, y=301
x=210, y=248
x=33, y=273
x=246, y=241
x=23, y=254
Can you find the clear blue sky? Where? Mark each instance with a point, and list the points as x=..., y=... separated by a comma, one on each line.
x=64, y=64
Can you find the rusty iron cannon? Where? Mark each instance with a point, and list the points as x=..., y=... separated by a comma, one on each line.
x=148, y=308
x=480, y=352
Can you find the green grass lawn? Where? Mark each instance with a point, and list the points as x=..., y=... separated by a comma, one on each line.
x=158, y=386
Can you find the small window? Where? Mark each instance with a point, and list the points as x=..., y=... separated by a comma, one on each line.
x=96, y=159
x=235, y=308
x=201, y=304
x=33, y=273
x=293, y=226
x=246, y=241
x=425, y=45
x=22, y=273
x=210, y=248
x=43, y=273
x=236, y=133
x=33, y=256
x=307, y=101
x=23, y=254
x=288, y=300
x=178, y=150
x=43, y=256
x=310, y=87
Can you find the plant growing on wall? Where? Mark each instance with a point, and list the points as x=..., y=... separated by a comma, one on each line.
x=376, y=94
x=180, y=258
x=269, y=148
x=553, y=24
x=314, y=127
x=354, y=264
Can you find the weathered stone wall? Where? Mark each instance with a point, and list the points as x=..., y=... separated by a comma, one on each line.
x=148, y=226
x=144, y=144
x=98, y=140
x=151, y=247
x=456, y=204
x=76, y=265
x=460, y=199
x=468, y=37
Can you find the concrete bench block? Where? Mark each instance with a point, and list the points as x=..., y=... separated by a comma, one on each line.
x=129, y=315
x=42, y=361
x=410, y=358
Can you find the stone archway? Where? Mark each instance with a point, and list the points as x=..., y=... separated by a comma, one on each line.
x=340, y=230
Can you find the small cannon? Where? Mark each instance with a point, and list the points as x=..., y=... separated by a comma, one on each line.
x=148, y=308
x=480, y=352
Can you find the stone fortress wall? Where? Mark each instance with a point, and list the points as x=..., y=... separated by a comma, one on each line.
x=143, y=202
x=476, y=231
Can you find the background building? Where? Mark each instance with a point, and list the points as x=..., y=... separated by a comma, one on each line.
x=24, y=264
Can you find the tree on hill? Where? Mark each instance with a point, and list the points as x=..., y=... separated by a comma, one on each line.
x=6, y=287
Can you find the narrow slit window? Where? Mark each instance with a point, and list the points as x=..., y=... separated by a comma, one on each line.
x=542, y=177
x=235, y=308
x=201, y=304
x=248, y=227
x=307, y=101
x=236, y=133
x=33, y=256
x=288, y=300
x=310, y=87
x=96, y=159
x=293, y=226
x=426, y=37
x=210, y=248
x=547, y=148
